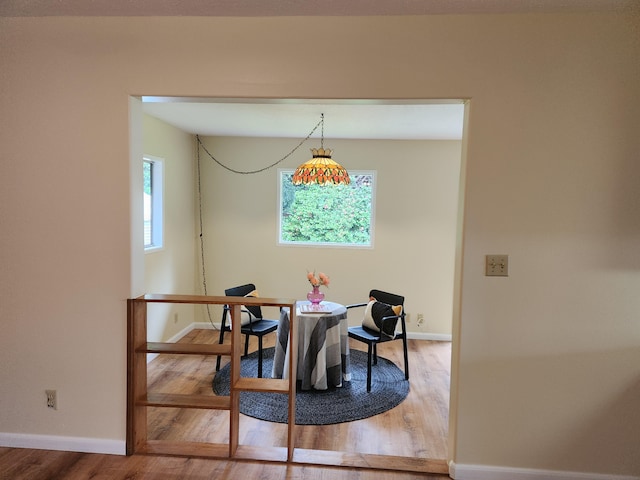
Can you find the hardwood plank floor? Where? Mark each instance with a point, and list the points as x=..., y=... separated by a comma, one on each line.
x=25, y=464
x=417, y=428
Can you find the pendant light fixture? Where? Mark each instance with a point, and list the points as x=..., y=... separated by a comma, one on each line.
x=321, y=169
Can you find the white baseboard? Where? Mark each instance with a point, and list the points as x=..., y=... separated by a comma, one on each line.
x=205, y=326
x=118, y=447
x=183, y=332
x=484, y=472
x=456, y=471
x=438, y=337
x=65, y=444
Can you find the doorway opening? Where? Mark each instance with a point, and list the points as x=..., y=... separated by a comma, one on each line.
x=243, y=104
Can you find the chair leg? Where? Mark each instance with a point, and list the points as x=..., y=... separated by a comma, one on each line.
x=375, y=353
x=259, y=356
x=406, y=358
x=369, y=355
x=220, y=341
x=246, y=345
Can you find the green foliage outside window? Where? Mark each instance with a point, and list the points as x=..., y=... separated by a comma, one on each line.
x=146, y=175
x=327, y=214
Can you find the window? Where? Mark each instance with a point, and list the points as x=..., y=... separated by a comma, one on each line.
x=153, y=190
x=327, y=215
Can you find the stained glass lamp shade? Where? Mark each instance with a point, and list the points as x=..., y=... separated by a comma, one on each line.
x=321, y=169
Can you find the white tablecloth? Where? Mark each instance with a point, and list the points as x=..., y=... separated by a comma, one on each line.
x=323, y=347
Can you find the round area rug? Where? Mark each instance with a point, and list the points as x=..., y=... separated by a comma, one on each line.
x=321, y=407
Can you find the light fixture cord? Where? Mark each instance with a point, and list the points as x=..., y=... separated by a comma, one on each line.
x=321, y=122
x=204, y=273
x=322, y=131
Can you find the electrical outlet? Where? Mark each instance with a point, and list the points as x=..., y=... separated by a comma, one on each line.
x=497, y=265
x=420, y=319
x=52, y=399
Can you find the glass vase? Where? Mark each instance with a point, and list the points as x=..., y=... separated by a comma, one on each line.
x=315, y=296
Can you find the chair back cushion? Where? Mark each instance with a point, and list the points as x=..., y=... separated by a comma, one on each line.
x=375, y=311
x=385, y=297
x=248, y=290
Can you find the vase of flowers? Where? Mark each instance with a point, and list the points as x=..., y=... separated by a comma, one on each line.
x=315, y=296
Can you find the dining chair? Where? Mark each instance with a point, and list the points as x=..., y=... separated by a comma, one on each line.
x=252, y=322
x=384, y=313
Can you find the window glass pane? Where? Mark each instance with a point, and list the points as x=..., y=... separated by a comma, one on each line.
x=147, y=167
x=327, y=214
x=153, y=202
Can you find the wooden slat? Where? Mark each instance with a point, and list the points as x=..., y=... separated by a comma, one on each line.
x=293, y=374
x=274, y=385
x=363, y=460
x=236, y=352
x=136, y=374
x=265, y=454
x=187, y=348
x=217, y=300
x=177, y=400
x=185, y=449
x=138, y=347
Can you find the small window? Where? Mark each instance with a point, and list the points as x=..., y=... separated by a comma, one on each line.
x=332, y=215
x=153, y=206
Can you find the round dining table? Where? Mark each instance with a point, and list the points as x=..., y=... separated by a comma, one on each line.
x=323, y=346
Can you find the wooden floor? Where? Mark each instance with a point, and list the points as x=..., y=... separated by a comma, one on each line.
x=24, y=464
x=417, y=428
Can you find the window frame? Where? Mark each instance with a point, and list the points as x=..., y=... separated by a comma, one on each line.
x=156, y=203
x=352, y=173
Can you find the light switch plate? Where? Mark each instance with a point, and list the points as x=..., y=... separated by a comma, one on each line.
x=497, y=265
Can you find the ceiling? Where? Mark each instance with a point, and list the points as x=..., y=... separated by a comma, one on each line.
x=361, y=119
x=261, y=8
x=288, y=118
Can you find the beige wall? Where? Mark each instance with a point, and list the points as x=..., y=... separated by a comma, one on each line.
x=172, y=269
x=546, y=374
x=416, y=203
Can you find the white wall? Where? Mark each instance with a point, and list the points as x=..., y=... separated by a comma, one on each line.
x=416, y=203
x=546, y=374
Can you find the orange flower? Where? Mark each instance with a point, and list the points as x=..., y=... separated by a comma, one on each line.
x=324, y=280
x=321, y=279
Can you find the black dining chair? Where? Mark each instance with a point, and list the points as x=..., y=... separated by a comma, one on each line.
x=253, y=323
x=380, y=325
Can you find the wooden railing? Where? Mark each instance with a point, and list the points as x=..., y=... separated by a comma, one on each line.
x=139, y=399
